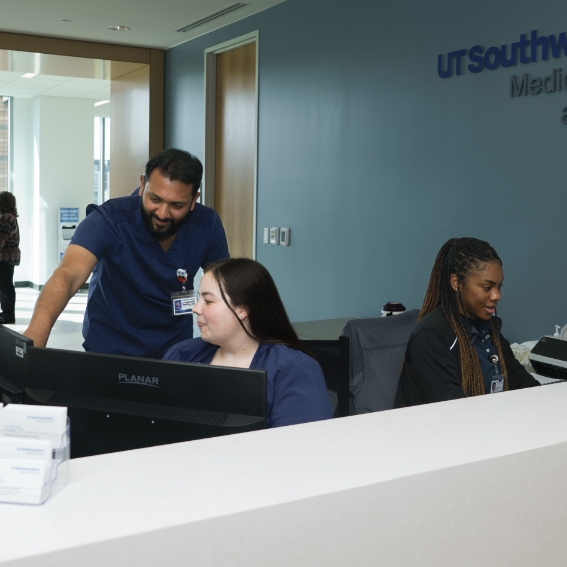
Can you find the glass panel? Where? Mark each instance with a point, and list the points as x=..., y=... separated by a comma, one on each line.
x=106, y=146
x=97, y=163
x=4, y=142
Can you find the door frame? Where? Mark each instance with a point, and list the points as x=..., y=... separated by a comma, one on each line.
x=208, y=196
x=154, y=58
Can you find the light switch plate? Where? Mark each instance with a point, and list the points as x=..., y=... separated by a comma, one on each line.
x=266, y=236
x=284, y=236
x=274, y=235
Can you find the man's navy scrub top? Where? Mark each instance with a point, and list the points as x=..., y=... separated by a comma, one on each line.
x=129, y=304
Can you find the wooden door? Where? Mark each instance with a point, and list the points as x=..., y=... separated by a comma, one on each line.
x=130, y=129
x=235, y=146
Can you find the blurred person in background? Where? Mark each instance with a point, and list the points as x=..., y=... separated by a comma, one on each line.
x=9, y=256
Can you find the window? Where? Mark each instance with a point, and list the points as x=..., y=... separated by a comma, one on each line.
x=101, y=159
x=5, y=143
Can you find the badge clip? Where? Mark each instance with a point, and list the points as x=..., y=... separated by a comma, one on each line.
x=182, y=278
x=497, y=383
x=182, y=302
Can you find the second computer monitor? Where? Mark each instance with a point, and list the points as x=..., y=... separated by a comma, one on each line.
x=117, y=403
x=13, y=350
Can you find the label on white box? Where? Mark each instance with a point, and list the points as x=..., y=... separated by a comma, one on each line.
x=28, y=449
x=20, y=473
x=18, y=418
x=17, y=495
x=57, y=439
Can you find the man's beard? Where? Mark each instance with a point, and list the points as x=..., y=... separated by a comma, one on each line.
x=158, y=233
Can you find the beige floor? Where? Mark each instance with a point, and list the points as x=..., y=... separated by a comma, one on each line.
x=66, y=333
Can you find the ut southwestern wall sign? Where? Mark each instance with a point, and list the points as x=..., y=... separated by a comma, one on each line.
x=527, y=50
x=523, y=51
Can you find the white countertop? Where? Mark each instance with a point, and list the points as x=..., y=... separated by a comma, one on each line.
x=115, y=496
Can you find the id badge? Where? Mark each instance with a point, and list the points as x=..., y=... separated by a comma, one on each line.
x=497, y=384
x=182, y=302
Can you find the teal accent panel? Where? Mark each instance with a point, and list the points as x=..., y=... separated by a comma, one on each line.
x=374, y=161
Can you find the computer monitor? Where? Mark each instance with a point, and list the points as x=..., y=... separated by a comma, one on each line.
x=117, y=403
x=13, y=349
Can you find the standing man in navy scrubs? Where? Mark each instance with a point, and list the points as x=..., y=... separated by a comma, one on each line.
x=135, y=246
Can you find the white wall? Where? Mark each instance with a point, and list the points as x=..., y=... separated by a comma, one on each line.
x=53, y=167
x=103, y=110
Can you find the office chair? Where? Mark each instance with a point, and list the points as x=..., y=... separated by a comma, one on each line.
x=377, y=349
x=333, y=356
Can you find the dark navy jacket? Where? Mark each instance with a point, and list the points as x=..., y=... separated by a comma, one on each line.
x=296, y=385
x=432, y=364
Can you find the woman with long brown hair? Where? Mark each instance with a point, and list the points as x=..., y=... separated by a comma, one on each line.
x=244, y=324
x=457, y=349
x=9, y=256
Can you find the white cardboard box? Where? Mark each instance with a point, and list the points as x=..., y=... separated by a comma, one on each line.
x=22, y=418
x=22, y=473
x=26, y=449
x=17, y=495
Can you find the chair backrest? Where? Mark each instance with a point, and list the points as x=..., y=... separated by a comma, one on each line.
x=377, y=349
x=333, y=356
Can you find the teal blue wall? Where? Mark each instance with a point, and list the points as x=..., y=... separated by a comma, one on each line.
x=374, y=161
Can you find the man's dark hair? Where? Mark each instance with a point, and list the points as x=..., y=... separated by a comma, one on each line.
x=177, y=165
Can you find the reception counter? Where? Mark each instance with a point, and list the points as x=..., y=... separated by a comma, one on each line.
x=469, y=482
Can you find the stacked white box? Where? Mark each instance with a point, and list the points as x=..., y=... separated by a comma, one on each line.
x=34, y=422
x=24, y=481
x=34, y=452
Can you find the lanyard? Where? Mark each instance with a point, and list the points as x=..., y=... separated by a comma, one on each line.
x=497, y=383
x=494, y=359
x=182, y=302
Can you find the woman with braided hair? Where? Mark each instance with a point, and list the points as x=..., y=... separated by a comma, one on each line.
x=457, y=350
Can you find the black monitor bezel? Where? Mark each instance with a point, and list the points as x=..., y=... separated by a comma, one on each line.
x=223, y=400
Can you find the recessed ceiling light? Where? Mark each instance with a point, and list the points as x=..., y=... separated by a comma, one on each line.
x=101, y=102
x=118, y=28
x=28, y=75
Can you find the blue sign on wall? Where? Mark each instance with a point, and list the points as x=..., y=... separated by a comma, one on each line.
x=69, y=214
x=526, y=51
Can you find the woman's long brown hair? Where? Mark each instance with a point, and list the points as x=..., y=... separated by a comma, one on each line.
x=249, y=285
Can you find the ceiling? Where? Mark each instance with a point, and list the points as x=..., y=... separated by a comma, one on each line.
x=58, y=75
x=153, y=23
x=11, y=84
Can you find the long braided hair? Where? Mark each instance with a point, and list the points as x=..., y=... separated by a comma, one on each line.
x=462, y=257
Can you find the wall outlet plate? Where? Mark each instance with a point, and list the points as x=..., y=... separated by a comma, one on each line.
x=274, y=235
x=284, y=236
